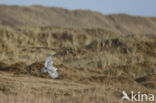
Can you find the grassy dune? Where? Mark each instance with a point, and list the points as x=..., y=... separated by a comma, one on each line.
x=15, y=16
x=94, y=65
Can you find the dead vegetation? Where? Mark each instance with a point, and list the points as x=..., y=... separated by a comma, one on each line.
x=49, y=16
x=94, y=65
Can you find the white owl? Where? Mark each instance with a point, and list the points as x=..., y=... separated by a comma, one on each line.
x=52, y=71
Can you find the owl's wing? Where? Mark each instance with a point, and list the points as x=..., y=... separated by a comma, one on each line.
x=48, y=61
x=52, y=72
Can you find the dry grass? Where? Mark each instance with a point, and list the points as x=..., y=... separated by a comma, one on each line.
x=94, y=65
x=43, y=16
x=17, y=89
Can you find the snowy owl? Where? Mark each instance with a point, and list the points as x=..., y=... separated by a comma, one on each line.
x=52, y=71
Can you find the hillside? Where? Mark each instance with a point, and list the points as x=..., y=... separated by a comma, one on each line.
x=43, y=16
x=94, y=65
x=98, y=56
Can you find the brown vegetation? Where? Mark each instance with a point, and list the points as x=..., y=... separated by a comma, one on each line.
x=94, y=65
x=47, y=16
